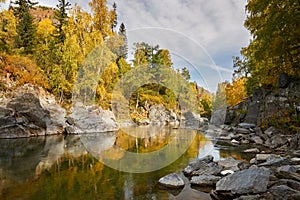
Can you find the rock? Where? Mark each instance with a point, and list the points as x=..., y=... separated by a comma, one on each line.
x=283, y=80
x=253, y=161
x=287, y=168
x=234, y=141
x=23, y=117
x=257, y=140
x=218, y=117
x=270, y=131
x=272, y=161
x=254, y=150
x=226, y=172
x=208, y=169
x=246, y=126
x=248, y=181
x=242, y=130
x=191, y=120
x=296, y=160
x=158, y=114
x=90, y=119
x=205, y=180
x=288, y=182
x=172, y=180
x=197, y=164
x=278, y=140
x=282, y=192
x=249, y=197
x=288, y=175
x=263, y=157
x=230, y=163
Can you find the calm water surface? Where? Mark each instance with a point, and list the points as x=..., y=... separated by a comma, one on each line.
x=71, y=167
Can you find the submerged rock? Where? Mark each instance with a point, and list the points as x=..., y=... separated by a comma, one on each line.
x=172, y=180
x=248, y=181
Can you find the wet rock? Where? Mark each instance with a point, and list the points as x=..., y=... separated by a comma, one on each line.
x=282, y=192
x=253, y=150
x=248, y=181
x=172, y=180
x=90, y=119
x=205, y=180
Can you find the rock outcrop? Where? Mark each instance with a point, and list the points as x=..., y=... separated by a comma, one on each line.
x=31, y=112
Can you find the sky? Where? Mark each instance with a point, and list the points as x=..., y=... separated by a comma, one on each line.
x=201, y=35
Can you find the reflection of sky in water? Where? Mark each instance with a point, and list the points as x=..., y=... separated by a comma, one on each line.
x=208, y=149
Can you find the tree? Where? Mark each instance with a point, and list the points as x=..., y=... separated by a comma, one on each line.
x=114, y=17
x=101, y=18
x=7, y=30
x=274, y=47
x=236, y=91
x=124, y=47
x=61, y=15
x=26, y=29
x=185, y=74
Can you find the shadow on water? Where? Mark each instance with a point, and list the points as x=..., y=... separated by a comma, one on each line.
x=71, y=167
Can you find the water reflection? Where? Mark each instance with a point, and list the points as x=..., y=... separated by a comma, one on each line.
x=59, y=167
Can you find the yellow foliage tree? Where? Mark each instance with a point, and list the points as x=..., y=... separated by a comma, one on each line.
x=236, y=91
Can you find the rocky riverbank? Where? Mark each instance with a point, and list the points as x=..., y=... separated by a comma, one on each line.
x=31, y=111
x=270, y=177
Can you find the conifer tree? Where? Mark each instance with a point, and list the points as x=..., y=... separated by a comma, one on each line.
x=61, y=15
x=124, y=47
x=26, y=29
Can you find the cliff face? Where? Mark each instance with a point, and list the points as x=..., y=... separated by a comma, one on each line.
x=268, y=107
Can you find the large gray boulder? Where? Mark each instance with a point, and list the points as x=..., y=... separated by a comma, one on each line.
x=205, y=180
x=23, y=117
x=218, y=117
x=248, y=181
x=172, y=180
x=90, y=119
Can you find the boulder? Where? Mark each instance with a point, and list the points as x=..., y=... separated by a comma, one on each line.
x=230, y=163
x=191, y=120
x=158, y=114
x=90, y=119
x=172, y=180
x=242, y=130
x=218, y=117
x=257, y=140
x=282, y=192
x=278, y=141
x=205, y=180
x=246, y=125
x=248, y=181
x=197, y=164
x=208, y=169
x=283, y=80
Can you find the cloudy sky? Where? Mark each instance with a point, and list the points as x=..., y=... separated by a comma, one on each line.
x=201, y=35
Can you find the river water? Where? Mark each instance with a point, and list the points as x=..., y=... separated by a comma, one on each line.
x=118, y=165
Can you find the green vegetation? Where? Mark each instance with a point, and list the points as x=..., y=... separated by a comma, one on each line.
x=60, y=52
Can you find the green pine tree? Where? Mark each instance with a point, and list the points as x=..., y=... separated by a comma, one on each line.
x=62, y=16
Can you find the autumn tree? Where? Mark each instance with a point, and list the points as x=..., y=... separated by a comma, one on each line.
x=8, y=30
x=235, y=91
x=185, y=73
x=274, y=48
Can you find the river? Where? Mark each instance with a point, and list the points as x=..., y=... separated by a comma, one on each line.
x=118, y=165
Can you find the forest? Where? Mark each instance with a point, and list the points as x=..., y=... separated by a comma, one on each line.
x=47, y=47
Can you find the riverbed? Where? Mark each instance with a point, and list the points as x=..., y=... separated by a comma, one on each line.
x=116, y=165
